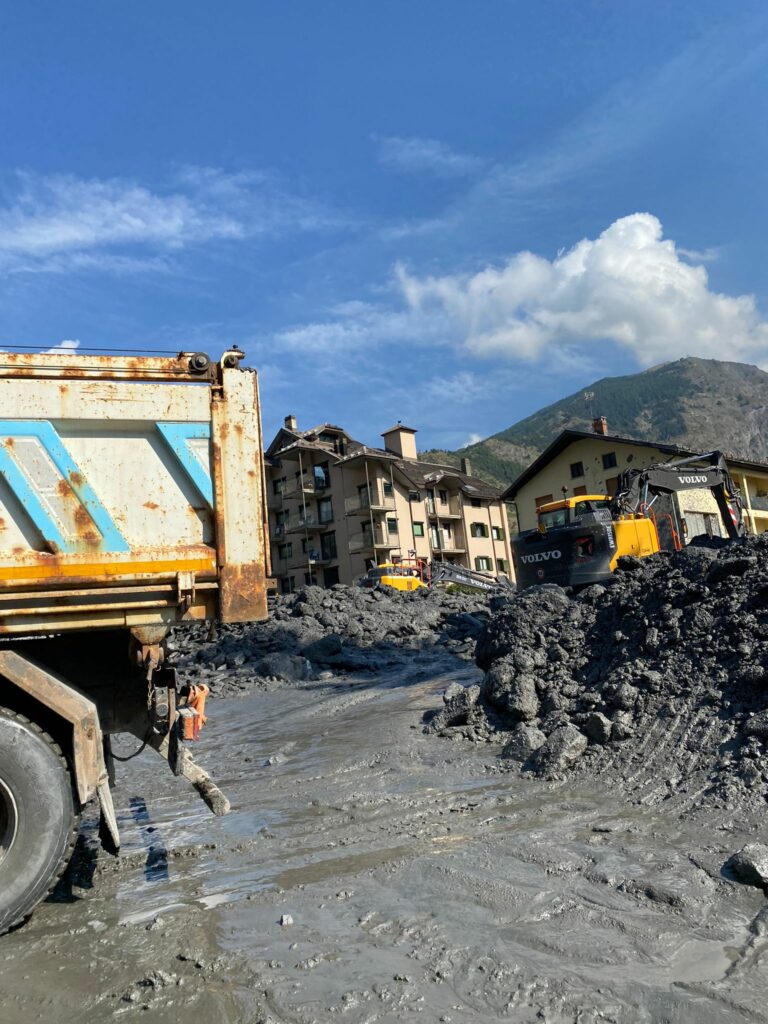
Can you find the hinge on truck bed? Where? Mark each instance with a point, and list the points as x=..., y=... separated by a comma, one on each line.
x=185, y=586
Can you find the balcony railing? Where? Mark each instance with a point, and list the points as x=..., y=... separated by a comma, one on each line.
x=447, y=545
x=450, y=509
x=368, y=541
x=305, y=485
x=317, y=557
x=369, y=502
x=759, y=504
x=305, y=524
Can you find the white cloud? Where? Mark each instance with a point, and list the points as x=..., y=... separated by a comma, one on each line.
x=460, y=388
x=628, y=287
x=414, y=156
x=472, y=439
x=359, y=327
x=68, y=345
x=59, y=222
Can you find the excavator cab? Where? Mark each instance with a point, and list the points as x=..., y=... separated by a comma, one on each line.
x=578, y=541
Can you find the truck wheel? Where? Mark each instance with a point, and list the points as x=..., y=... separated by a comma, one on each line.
x=37, y=816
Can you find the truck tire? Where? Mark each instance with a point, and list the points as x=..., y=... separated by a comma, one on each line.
x=38, y=824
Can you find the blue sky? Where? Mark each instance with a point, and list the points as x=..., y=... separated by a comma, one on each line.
x=448, y=213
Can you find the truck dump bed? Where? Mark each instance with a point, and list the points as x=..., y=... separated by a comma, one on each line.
x=131, y=492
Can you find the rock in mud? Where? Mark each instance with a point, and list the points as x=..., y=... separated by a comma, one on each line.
x=563, y=746
x=750, y=864
x=598, y=728
x=289, y=667
x=525, y=740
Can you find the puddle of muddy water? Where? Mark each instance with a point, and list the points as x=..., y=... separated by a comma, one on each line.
x=420, y=884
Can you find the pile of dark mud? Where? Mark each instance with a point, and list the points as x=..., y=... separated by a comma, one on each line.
x=657, y=681
x=317, y=633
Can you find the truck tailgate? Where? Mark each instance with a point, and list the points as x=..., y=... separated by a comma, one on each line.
x=131, y=492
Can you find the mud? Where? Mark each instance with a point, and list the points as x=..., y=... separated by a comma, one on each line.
x=656, y=683
x=422, y=883
x=316, y=631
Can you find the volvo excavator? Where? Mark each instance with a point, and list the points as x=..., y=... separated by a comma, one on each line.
x=579, y=539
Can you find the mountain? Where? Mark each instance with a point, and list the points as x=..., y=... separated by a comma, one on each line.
x=700, y=404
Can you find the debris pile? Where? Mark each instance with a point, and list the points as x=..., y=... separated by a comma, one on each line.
x=657, y=680
x=317, y=632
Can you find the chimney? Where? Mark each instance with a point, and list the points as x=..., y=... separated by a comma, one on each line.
x=600, y=425
x=466, y=467
x=401, y=440
x=291, y=424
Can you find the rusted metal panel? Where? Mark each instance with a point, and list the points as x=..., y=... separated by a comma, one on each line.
x=239, y=496
x=70, y=705
x=123, y=401
x=132, y=492
x=80, y=366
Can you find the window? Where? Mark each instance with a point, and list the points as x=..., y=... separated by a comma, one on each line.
x=414, y=496
x=418, y=529
x=322, y=476
x=328, y=546
x=577, y=470
x=483, y=563
x=443, y=497
x=391, y=526
x=609, y=460
x=501, y=565
x=287, y=584
x=310, y=579
x=478, y=530
x=611, y=483
x=304, y=546
x=325, y=510
x=498, y=533
x=278, y=485
x=581, y=489
x=550, y=520
x=543, y=499
x=326, y=438
x=583, y=508
x=285, y=550
x=476, y=503
x=331, y=576
x=388, y=489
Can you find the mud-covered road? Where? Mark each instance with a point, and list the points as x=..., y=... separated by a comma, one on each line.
x=422, y=882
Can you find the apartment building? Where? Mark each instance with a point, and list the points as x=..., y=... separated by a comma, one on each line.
x=337, y=507
x=589, y=462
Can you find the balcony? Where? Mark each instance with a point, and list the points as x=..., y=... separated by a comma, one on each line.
x=758, y=504
x=370, y=541
x=369, y=503
x=309, y=523
x=306, y=485
x=317, y=556
x=450, y=509
x=447, y=545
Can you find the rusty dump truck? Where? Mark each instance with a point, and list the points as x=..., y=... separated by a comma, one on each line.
x=132, y=498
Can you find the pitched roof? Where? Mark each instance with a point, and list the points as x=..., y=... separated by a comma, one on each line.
x=428, y=474
x=399, y=426
x=568, y=437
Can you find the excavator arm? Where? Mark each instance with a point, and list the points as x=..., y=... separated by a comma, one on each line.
x=637, y=489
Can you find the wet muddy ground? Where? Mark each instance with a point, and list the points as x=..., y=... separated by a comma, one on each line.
x=414, y=879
